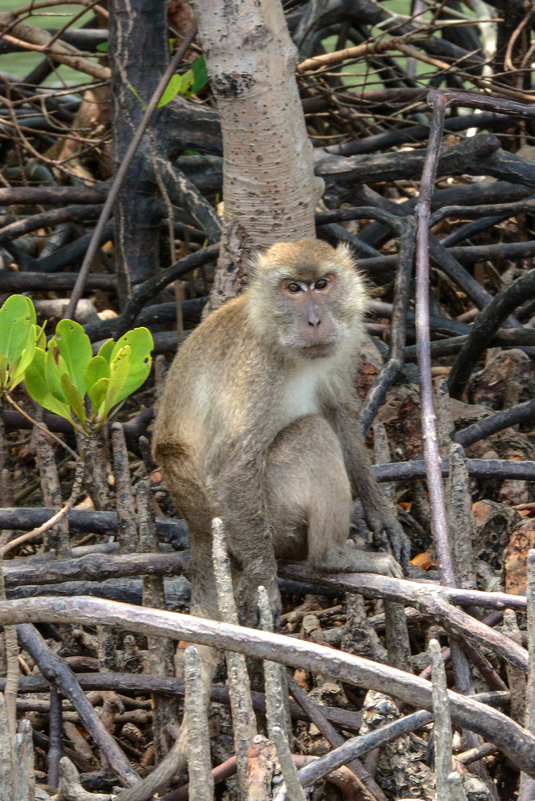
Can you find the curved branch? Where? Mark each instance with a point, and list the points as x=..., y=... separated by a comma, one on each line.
x=484, y=328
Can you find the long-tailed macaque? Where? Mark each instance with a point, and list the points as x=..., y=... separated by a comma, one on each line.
x=258, y=425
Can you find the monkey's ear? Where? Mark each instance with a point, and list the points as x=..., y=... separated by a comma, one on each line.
x=346, y=258
x=257, y=263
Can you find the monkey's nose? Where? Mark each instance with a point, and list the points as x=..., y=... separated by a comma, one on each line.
x=314, y=319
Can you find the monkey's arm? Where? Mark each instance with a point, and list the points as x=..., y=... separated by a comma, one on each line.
x=378, y=511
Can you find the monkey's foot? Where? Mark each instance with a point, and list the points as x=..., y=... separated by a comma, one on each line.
x=364, y=561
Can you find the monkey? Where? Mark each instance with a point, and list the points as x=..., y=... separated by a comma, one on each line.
x=258, y=426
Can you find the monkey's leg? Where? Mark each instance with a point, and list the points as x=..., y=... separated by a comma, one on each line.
x=310, y=501
x=203, y=596
x=239, y=499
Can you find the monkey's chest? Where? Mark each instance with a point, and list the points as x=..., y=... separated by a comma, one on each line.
x=302, y=395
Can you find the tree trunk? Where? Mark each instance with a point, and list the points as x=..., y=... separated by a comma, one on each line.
x=139, y=55
x=269, y=188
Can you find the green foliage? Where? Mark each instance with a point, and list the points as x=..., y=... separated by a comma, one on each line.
x=19, y=337
x=67, y=379
x=172, y=89
x=200, y=75
x=187, y=84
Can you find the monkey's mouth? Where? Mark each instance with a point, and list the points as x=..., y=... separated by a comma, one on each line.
x=318, y=351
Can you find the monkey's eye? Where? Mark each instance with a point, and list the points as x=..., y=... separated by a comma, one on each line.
x=293, y=287
x=321, y=283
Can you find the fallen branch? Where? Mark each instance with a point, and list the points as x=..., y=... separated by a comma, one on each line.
x=515, y=742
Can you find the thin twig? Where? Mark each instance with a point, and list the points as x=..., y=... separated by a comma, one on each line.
x=40, y=426
x=431, y=451
x=244, y=721
x=58, y=672
x=442, y=733
x=122, y=171
x=527, y=783
x=201, y=781
x=59, y=515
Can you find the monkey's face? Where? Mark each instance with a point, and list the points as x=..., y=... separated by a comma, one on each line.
x=310, y=323
x=306, y=299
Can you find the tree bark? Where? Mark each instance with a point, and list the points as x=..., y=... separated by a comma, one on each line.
x=269, y=188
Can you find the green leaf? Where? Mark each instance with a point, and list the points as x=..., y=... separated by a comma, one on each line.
x=189, y=83
x=97, y=372
x=38, y=364
x=97, y=368
x=75, y=347
x=141, y=343
x=17, y=316
x=120, y=367
x=40, y=338
x=19, y=366
x=98, y=396
x=186, y=83
x=74, y=398
x=54, y=369
x=38, y=388
x=60, y=377
x=171, y=90
x=139, y=339
x=106, y=349
x=200, y=75
x=102, y=47
x=3, y=373
x=31, y=310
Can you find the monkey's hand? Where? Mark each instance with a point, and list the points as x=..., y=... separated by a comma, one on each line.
x=388, y=535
